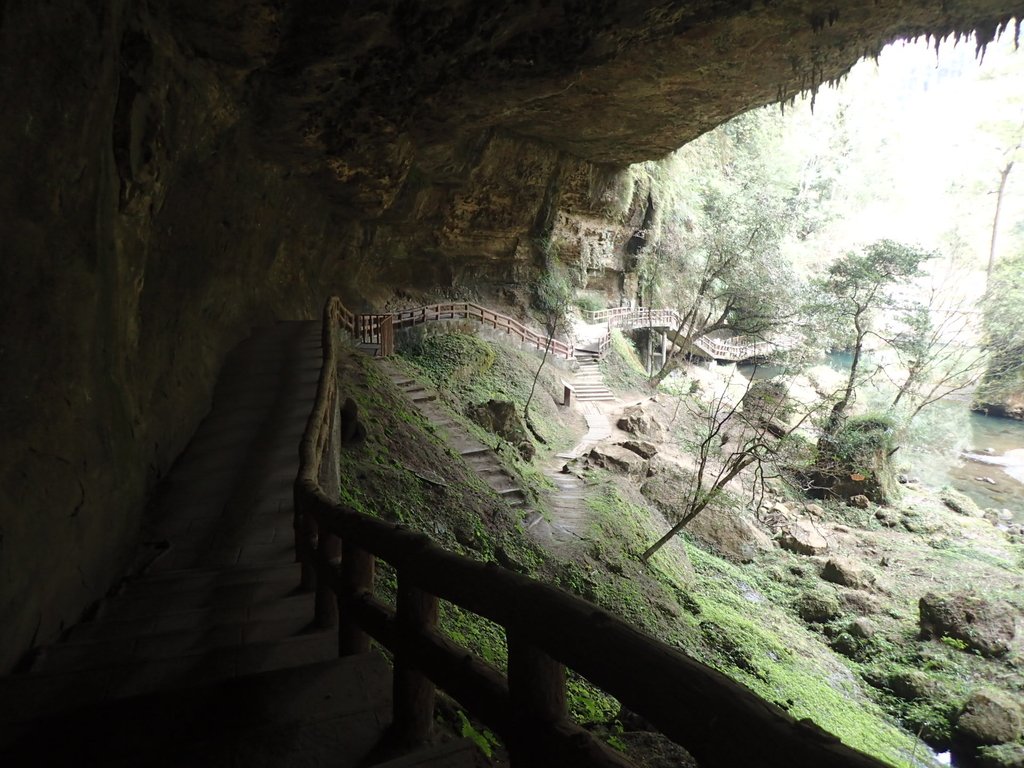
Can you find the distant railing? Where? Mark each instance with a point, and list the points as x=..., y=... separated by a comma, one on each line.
x=465, y=310
x=718, y=720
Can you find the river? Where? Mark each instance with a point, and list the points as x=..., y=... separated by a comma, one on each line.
x=986, y=463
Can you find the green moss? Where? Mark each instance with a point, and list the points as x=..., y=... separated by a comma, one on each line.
x=621, y=367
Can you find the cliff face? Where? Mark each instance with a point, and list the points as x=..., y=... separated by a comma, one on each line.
x=177, y=173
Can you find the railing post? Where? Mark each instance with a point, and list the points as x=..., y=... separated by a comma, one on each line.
x=536, y=686
x=413, y=692
x=357, y=569
x=306, y=537
x=326, y=603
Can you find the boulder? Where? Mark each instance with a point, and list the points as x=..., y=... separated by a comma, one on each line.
x=862, y=628
x=989, y=717
x=986, y=626
x=817, y=607
x=860, y=501
x=730, y=533
x=860, y=602
x=501, y=417
x=1001, y=756
x=618, y=459
x=814, y=510
x=847, y=573
x=641, y=448
x=638, y=421
x=960, y=503
x=802, y=537
x=911, y=684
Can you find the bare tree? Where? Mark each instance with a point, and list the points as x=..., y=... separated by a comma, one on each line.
x=734, y=435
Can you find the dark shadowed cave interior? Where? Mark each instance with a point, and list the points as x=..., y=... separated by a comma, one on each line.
x=175, y=174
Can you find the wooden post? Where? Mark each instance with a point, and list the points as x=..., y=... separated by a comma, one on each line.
x=357, y=567
x=326, y=604
x=306, y=546
x=413, y=692
x=536, y=686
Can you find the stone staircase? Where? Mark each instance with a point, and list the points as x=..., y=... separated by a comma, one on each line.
x=207, y=657
x=480, y=457
x=588, y=381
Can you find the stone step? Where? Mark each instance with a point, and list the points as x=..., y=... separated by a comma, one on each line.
x=190, y=594
x=198, y=619
x=37, y=694
x=330, y=712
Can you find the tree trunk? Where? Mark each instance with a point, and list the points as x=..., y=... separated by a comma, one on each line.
x=1004, y=174
x=543, y=359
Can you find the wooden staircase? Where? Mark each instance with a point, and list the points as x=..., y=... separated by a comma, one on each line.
x=480, y=457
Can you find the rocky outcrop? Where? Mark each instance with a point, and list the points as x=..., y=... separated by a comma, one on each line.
x=817, y=607
x=501, y=418
x=848, y=573
x=986, y=626
x=803, y=537
x=618, y=459
x=729, y=532
x=989, y=717
x=640, y=421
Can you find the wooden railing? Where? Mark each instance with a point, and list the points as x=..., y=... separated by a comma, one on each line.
x=378, y=330
x=719, y=721
x=465, y=310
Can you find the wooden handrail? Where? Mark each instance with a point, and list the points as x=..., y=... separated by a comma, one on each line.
x=547, y=629
x=465, y=310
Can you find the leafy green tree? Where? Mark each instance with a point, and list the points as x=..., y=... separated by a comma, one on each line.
x=553, y=293
x=730, y=273
x=853, y=295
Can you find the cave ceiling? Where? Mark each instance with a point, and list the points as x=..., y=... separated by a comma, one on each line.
x=358, y=95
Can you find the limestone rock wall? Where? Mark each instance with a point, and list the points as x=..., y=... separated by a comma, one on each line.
x=176, y=173
x=142, y=237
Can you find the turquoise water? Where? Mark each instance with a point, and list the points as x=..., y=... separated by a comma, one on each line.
x=944, y=432
x=987, y=438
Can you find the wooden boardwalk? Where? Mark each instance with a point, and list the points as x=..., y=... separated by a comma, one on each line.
x=210, y=656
